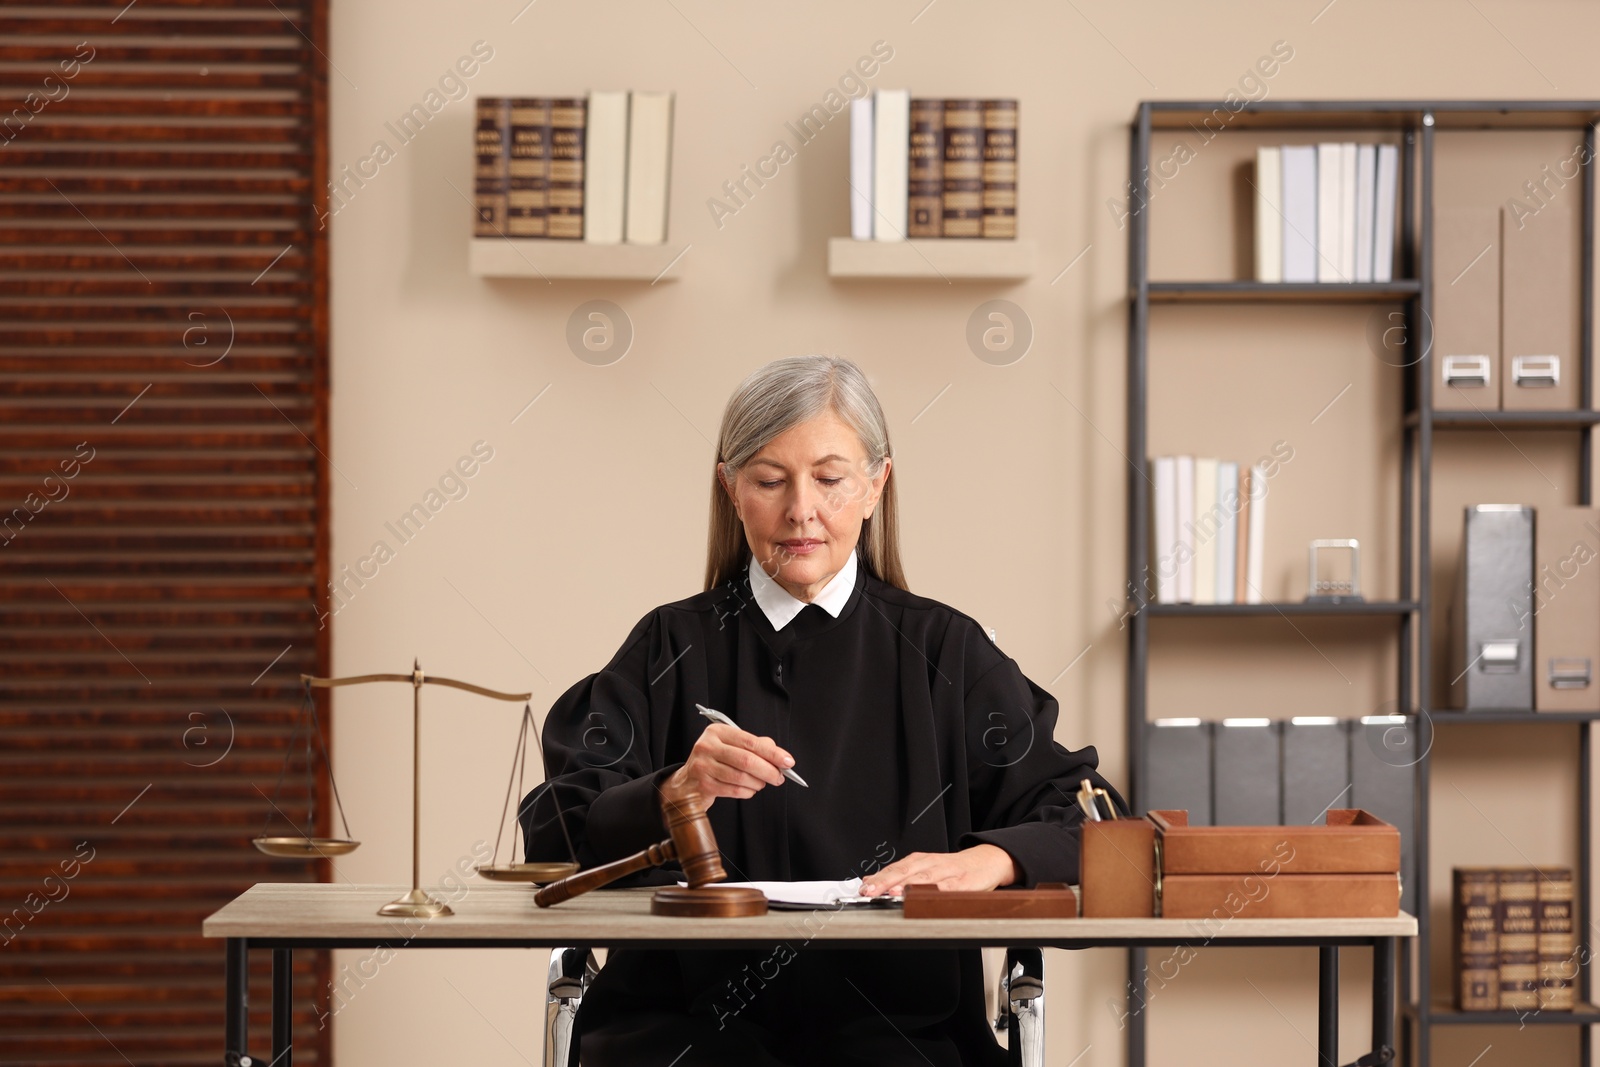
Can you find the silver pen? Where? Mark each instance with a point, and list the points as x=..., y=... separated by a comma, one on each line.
x=717, y=716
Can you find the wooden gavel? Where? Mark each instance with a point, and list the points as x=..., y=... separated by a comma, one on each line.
x=690, y=842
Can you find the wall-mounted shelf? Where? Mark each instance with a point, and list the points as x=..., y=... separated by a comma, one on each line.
x=551, y=260
x=947, y=259
x=1513, y=420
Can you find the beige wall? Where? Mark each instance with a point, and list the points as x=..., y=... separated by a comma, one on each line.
x=592, y=509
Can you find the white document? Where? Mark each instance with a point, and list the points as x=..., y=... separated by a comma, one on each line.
x=1166, y=529
x=649, y=163
x=1228, y=534
x=1366, y=186
x=813, y=895
x=1330, y=200
x=605, y=167
x=1383, y=213
x=891, y=130
x=1258, y=534
x=1299, y=166
x=1185, y=539
x=1205, y=530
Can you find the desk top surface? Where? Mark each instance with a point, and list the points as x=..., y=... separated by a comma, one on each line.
x=305, y=913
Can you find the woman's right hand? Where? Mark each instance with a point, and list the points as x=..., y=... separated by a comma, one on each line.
x=729, y=762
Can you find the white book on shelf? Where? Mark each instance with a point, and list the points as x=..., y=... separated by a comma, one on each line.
x=1366, y=188
x=1258, y=533
x=1205, y=530
x=1269, y=214
x=1330, y=194
x=862, y=147
x=649, y=164
x=1298, y=164
x=1386, y=188
x=1165, y=534
x=605, y=167
x=891, y=137
x=1228, y=530
x=1185, y=523
x=1347, y=212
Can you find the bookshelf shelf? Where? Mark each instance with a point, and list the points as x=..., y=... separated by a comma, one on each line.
x=1247, y=304
x=1245, y=292
x=1521, y=716
x=1512, y=420
x=1286, y=607
x=1582, y=1015
x=947, y=259
x=553, y=260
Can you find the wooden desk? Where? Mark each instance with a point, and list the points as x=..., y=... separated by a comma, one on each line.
x=282, y=918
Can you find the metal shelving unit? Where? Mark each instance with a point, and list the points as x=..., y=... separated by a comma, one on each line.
x=1416, y=122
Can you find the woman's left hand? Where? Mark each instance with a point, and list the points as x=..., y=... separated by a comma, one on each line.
x=977, y=868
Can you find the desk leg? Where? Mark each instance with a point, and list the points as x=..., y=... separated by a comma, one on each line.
x=1328, y=1005
x=282, y=1006
x=1383, y=953
x=236, y=1009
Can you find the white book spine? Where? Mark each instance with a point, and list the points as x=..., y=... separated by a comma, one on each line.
x=649, y=163
x=1258, y=533
x=605, y=167
x=1330, y=169
x=891, y=134
x=1185, y=537
x=1387, y=188
x=1347, y=212
x=1205, y=530
x=1269, y=214
x=1228, y=532
x=1298, y=164
x=862, y=148
x=1163, y=551
x=1366, y=188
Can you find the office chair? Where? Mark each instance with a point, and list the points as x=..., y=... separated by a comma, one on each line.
x=1020, y=1014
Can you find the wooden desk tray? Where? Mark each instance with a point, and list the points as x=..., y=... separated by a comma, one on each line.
x=1284, y=896
x=1051, y=900
x=1352, y=842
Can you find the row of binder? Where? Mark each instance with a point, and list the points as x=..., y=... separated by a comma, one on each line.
x=1258, y=771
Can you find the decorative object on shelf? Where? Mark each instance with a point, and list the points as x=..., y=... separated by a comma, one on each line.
x=305, y=846
x=417, y=904
x=1338, y=587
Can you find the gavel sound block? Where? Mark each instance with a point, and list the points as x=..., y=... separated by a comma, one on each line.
x=692, y=843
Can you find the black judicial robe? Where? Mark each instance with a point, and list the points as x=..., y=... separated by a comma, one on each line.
x=915, y=734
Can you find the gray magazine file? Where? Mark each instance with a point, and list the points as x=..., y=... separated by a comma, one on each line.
x=1316, y=768
x=1491, y=638
x=1384, y=750
x=1245, y=774
x=1177, y=768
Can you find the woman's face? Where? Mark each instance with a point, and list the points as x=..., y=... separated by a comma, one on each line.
x=802, y=499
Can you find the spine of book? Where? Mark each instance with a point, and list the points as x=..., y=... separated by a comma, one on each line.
x=1519, y=939
x=492, y=173
x=1000, y=168
x=568, y=119
x=963, y=168
x=527, y=198
x=1557, y=963
x=1476, y=894
x=925, y=189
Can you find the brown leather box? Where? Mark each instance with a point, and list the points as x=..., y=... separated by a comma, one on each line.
x=1118, y=869
x=1348, y=868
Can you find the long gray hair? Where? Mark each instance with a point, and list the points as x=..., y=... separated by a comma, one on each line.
x=774, y=398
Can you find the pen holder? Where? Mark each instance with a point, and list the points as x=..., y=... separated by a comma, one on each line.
x=1118, y=869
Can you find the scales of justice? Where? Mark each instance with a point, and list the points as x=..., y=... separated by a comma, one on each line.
x=690, y=839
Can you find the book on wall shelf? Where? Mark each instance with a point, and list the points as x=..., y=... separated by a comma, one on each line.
x=591, y=169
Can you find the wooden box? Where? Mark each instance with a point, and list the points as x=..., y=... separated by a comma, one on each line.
x=1118, y=869
x=1049, y=900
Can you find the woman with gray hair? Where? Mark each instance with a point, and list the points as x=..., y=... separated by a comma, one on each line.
x=927, y=755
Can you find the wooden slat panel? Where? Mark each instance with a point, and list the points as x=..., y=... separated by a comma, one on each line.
x=158, y=603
